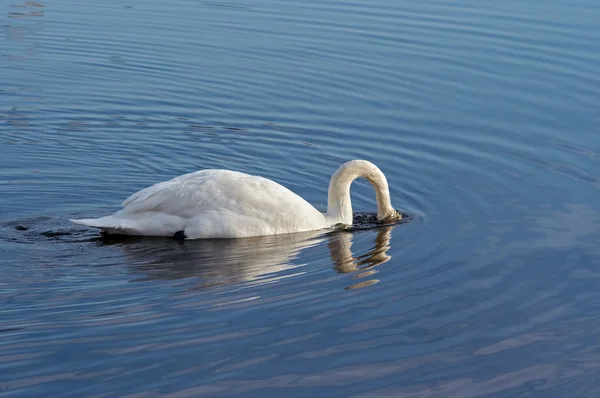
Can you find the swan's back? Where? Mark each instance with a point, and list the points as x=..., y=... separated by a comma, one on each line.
x=215, y=190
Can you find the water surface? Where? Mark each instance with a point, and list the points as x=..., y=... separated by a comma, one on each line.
x=484, y=117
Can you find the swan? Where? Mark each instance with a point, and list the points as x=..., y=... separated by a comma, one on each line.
x=230, y=204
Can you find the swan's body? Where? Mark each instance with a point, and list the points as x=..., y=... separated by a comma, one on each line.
x=230, y=204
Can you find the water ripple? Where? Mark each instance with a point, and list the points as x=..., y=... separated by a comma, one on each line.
x=484, y=118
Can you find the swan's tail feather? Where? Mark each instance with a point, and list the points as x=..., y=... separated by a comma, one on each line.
x=110, y=224
x=149, y=223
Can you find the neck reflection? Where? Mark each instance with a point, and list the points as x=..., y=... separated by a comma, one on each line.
x=362, y=266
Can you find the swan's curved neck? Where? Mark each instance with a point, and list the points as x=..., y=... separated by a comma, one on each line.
x=339, y=207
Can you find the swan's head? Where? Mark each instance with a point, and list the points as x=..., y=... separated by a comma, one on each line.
x=391, y=217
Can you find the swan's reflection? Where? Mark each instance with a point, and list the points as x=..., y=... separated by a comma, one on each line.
x=224, y=261
x=217, y=261
x=340, y=247
x=345, y=262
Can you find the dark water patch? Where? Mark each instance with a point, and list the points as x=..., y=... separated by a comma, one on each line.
x=362, y=220
x=9, y=330
x=226, y=5
x=55, y=234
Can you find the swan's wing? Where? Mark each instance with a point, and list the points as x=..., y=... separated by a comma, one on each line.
x=175, y=195
x=208, y=191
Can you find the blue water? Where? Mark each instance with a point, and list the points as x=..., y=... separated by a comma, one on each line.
x=484, y=116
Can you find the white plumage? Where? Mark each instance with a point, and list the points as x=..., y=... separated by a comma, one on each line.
x=231, y=204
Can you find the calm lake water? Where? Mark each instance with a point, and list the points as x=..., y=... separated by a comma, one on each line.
x=485, y=117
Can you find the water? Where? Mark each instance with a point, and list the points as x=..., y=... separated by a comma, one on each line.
x=484, y=117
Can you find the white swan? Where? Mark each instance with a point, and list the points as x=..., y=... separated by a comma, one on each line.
x=230, y=204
